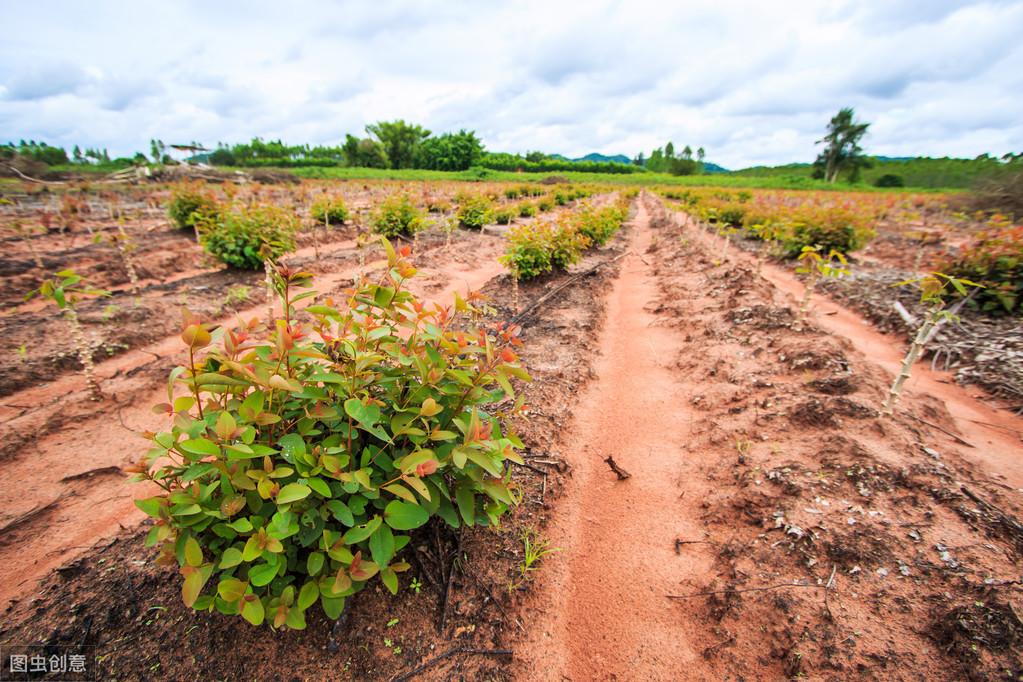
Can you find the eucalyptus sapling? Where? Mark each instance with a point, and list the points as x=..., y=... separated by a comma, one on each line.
x=815, y=267
x=65, y=290
x=934, y=292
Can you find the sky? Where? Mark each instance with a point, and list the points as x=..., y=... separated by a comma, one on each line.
x=751, y=82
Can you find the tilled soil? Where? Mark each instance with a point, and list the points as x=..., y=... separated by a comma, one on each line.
x=774, y=525
x=769, y=525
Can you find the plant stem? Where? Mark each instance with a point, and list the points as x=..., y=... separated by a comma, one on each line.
x=915, y=349
x=84, y=353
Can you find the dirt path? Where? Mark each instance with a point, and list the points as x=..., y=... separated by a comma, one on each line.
x=617, y=536
x=767, y=481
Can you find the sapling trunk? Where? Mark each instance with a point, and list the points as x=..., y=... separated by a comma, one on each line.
x=515, y=290
x=724, y=247
x=122, y=249
x=915, y=349
x=804, y=305
x=84, y=353
x=270, y=294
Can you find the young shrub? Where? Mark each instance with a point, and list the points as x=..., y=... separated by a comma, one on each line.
x=438, y=206
x=935, y=290
x=815, y=267
x=294, y=463
x=567, y=246
x=545, y=204
x=190, y=205
x=512, y=193
x=599, y=226
x=474, y=212
x=731, y=215
x=65, y=290
x=527, y=210
x=397, y=216
x=504, y=216
x=529, y=251
x=329, y=210
x=562, y=198
x=831, y=228
x=994, y=260
x=890, y=180
x=246, y=237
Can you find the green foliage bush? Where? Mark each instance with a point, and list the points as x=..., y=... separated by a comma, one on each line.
x=503, y=216
x=545, y=204
x=527, y=210
x=834, y=228
x=246, y=237
x=475, y=211
x=731, y=215
x=295, y=463
x=397, y=215
x=190, y=205
x=889, y=180
x=528, y=254
x=567, y=245
x=331, y=210
x=539, y=247
x=994, y=260
x=512, y=193
x=599, y=226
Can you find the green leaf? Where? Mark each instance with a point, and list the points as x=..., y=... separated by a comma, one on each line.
x=319, y=485
x=332, y=606
x=367, y=415
x=293, y=492
x=381, y=545
x=262, y=574
x=466, y=504
x=252, y=610
x=195, y=579
x=151, y=506
x=314, y=564
x=193, y=552
x=308, y=595
x=200, y=447
x=231, y=589
x=360, y=533
x=295, y=619
x=405, y=515
x=232, y=556
x=390, y=579
x=341, y=512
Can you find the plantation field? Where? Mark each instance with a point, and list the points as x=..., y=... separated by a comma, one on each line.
x=578, y=430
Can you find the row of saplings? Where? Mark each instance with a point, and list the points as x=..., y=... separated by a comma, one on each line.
x=247, y=236
x=540, y=247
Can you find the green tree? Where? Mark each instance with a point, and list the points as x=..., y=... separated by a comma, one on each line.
x=669, y=150
x=364, y=153
x=450, y=152
x=400, y=140
x=842, y=149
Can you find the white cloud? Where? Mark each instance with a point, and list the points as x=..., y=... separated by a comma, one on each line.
x=751, y=82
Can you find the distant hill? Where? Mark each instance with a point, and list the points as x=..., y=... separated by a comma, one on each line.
x=709, y=167
x=915, y=171
x=598, y=158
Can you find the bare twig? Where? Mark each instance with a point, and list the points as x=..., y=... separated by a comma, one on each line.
x=93, y=472
x=546, y=297
x=448, y=654
x=620, y=472
x=945, y=431
x=744, y=589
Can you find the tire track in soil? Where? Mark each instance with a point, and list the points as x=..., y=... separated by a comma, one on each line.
x=611, y=620
x=49, y=521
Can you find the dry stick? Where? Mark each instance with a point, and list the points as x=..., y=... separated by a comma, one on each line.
x=621, y=473
x=543, y=299
x=958, y=439
x=269, y=294
x=745, y=589
x=451, y=578
x=447, y=654
x=1005, y=518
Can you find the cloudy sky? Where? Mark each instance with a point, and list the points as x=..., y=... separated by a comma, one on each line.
x=752, y=82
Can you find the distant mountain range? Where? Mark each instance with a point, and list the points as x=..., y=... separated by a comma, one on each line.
x=708, y=167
